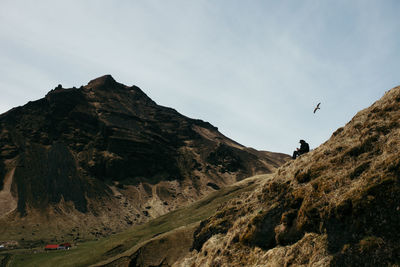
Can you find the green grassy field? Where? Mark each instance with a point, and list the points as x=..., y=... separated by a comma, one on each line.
x=92, y=252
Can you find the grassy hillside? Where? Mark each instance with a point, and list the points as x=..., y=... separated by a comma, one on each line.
x=126, y=243
x=338, y=205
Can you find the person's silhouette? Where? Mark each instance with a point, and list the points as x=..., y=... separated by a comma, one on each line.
x=304, y=148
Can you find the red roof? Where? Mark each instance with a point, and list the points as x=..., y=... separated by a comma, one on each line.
x=51, y=246
x=65, y=245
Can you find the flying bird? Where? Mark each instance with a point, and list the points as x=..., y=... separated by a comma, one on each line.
x=317, y=107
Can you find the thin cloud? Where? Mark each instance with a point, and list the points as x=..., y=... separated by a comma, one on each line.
x=255, y=70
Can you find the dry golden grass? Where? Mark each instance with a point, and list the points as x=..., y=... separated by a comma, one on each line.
x=338, y=205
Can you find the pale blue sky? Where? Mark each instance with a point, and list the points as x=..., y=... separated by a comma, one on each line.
x=255, y=69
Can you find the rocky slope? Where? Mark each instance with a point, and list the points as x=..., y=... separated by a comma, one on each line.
x=338, y=205
x=86, y=162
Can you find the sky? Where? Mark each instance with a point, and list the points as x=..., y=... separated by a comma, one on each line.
x=254, y=69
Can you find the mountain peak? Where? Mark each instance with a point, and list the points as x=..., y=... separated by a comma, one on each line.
x=105, y=80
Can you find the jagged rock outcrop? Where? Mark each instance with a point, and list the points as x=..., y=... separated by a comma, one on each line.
x=338, y=205
x=96, y=159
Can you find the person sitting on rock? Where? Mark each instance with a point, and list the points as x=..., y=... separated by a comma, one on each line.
x=304, y=148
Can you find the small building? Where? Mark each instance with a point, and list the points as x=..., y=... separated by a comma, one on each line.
x=51, y=247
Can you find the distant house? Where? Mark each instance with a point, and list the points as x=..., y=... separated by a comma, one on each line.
x=51, y=247
x=56, y=247
x=1, y=246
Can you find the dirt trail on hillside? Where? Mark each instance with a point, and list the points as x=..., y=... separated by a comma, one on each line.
x=7, y=202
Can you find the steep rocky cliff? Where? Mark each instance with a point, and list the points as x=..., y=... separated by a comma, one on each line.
x=86, y=162
x=338, y=205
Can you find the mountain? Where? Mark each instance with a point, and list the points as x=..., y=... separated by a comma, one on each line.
x=86, y=162
x=338, y=205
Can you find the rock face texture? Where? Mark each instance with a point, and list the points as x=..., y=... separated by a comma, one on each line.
x=97, y=159
x=338, y=205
